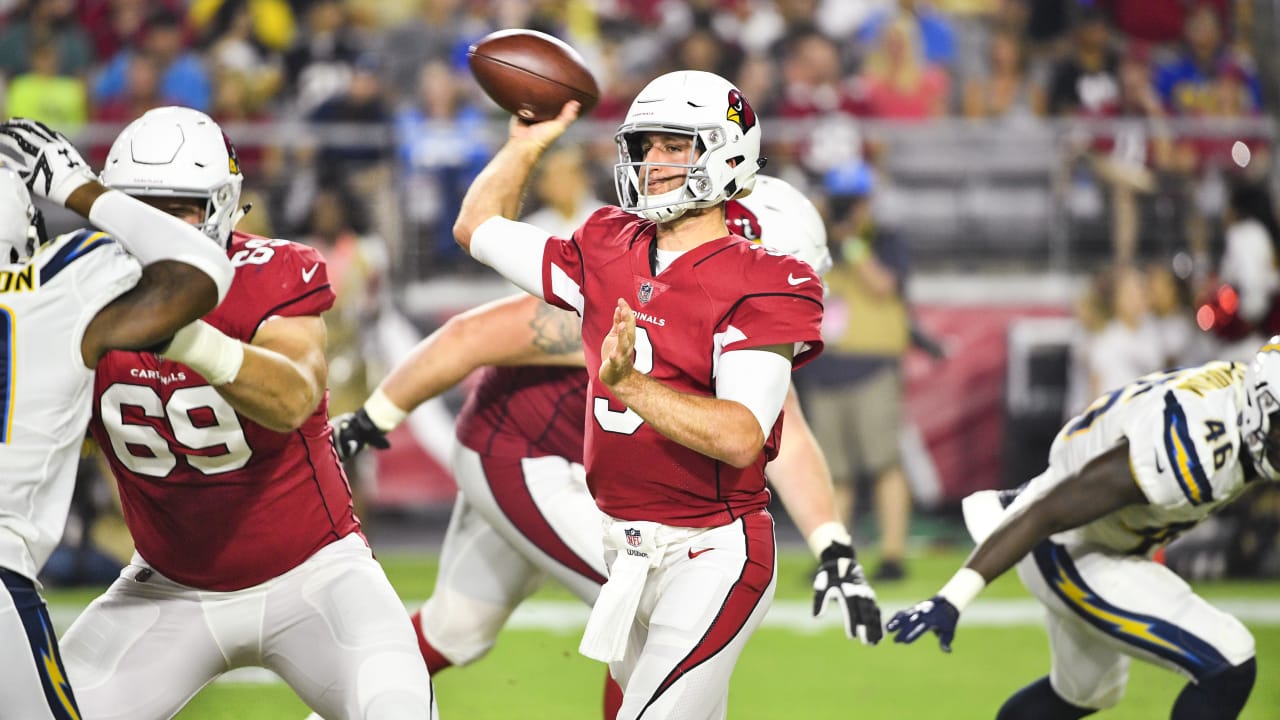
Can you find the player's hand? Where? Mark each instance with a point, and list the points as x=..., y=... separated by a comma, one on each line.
x=546, y=132
x=51, y=165
x=353, y=431
x=936, y=614
x=840, y=578
x=616, y=361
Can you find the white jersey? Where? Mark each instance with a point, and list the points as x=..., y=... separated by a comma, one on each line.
x=1184, y=453
x=45, y=389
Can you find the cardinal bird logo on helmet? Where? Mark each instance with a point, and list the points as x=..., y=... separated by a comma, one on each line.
x=233, y=161
x=740, y=111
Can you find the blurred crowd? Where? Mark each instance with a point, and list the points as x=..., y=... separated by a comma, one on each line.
x=371, y=100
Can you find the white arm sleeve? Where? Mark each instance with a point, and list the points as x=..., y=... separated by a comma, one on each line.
x=152, y=235
x=758, y=379
x=514, y=249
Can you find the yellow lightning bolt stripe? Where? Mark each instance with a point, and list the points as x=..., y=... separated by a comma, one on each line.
x=1270, y=347
x=90, y=240
x=56, y=678
x=1084, y=599
x=1182, y=464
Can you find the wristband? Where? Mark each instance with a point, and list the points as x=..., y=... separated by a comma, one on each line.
x=963, y=587
x=825, y=534
x=205, y=349
x=384, y=413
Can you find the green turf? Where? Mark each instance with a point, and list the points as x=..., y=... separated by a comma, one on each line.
x=782, y=674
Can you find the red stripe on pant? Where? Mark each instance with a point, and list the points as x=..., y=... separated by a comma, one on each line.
x=743, y=598
x=507, y=484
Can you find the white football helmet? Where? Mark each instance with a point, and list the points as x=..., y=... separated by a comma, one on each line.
x=20, y=228
x=726, y=148
x=179, y=152
x=1262, y=402
x=782, y=219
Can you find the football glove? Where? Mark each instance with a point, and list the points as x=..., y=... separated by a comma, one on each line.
x=840, y=578
x=936, y=614
x=353, y=431
x=51, y=165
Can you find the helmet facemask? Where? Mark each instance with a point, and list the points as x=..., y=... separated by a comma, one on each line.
x=631, y=174
x=1261, y=411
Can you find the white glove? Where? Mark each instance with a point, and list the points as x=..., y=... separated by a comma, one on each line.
x=51, y=165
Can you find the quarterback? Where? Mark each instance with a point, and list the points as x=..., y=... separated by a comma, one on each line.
x=523, y=512
x=1141, y=465
x=685, y=392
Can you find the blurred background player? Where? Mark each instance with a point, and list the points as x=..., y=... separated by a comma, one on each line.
x=523, y=511
x=1143, y=465
x=63, y=305
x=694, y=383
x=236, y=501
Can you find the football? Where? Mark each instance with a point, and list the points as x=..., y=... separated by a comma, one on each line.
x=531, y=74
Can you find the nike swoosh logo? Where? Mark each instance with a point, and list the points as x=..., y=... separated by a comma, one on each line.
x=793, y=280
x=308, y=274
x=1158, y=468
x=693, y=554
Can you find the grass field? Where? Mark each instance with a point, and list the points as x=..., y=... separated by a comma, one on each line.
x=792, y=668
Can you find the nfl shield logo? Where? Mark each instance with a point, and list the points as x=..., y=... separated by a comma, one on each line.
x=633, y=536
x=645, y=294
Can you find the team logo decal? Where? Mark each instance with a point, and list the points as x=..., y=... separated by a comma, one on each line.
x=742, y=221
x=645, y=293
x=740, y=111
x=633, y=536
x=233, y=162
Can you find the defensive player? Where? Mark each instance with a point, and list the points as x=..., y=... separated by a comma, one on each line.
x=63, y=305
x=523, y=511
x=684, y=394
x=247, y=549
x=1139, y=467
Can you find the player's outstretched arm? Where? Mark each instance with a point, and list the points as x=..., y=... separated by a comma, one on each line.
x=1103, y=486
x=497, y=190
x=277, y=380
x=730, y=427
x=802, y=479
x=516, y=330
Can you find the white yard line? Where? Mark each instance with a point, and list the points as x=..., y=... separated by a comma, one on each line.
x=567, y=616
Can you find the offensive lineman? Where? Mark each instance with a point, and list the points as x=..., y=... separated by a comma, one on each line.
x=685, y=394
x=63, y=305
x=1140, y=466
x=523, y=511
x=247, y=549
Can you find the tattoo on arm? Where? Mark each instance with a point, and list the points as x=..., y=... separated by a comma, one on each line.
x=555, y=331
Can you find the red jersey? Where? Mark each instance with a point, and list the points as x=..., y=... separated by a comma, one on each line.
x=724, y=295
x=213, y=499
x=526, y=412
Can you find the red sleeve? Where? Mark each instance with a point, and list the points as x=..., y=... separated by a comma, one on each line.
x=563, y=260
x=778, y=319
x=272, y=278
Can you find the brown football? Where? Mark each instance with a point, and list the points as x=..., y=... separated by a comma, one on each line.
x=531, y=74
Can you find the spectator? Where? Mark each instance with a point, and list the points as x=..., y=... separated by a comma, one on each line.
x=268, y=24
x=813, y=79
x=1186, y=84
x=1006, y=92
x=1250, y=254
x=1129, y=346
x=899, y=83
x=1158, y=21
x=937, y=37
x=319, y=64
x=141, y=93
x=1086, y=82
x=44, y=22
x=853, y=392
x=562, y=187
x=441, y=30
x=1171, y=312
x=233, y=44
x=45, y=95
x=183, y=78
x=442, y=145
x=361, y=103
x=1093, y=312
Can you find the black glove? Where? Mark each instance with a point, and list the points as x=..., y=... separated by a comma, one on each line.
x=840, y=577
x=352, y=431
